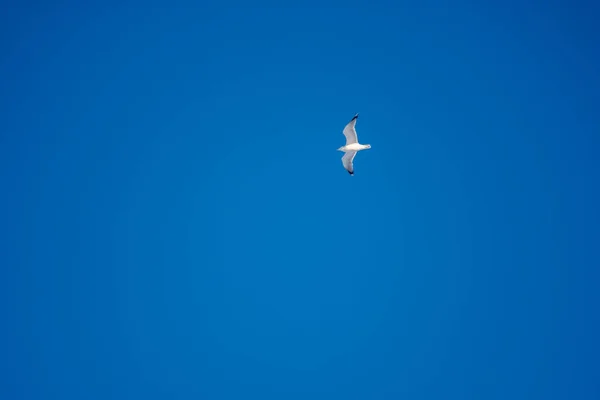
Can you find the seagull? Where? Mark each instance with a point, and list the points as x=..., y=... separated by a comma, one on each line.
x=352, y=146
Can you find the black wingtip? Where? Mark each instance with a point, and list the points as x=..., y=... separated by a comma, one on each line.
x=351, y=173
x=356, y=116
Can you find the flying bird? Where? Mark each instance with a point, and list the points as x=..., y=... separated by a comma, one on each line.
x=352, y=146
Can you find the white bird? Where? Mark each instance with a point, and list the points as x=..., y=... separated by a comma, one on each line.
x=352, y=146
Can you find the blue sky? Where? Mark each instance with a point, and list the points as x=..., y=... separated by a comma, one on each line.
x=175, y=221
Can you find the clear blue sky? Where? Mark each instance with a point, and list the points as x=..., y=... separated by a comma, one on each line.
x=176, y=223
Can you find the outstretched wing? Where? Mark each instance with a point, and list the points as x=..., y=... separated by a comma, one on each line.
x=350, y=131
x=347, y=161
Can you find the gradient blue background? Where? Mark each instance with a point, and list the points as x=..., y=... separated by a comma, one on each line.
x=175, y=222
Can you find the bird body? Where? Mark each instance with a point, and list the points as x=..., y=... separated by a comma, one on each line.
x=352, y=146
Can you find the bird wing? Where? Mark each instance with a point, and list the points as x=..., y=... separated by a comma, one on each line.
x=347, y=161
x=350, y=131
